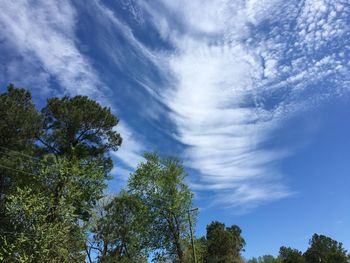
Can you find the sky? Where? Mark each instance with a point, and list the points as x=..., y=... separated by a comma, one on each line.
x=253, y=95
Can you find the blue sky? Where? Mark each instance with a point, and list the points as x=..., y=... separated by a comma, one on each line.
x=252, y=95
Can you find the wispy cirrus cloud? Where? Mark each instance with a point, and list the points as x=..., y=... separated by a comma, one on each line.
x=241, y=68
x=131, y=154
x=41, y=35
x=45, y=32
x=215, y=108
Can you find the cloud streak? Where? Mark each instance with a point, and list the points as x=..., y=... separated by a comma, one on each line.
x=46, y=32
x=242, y=67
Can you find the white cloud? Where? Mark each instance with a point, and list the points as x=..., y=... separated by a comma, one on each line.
x=221, y=133
x=132, y=149
x=226, y=73
x=204, y=16
x=46, y=32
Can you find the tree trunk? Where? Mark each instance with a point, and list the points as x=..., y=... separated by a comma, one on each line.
x=176, y=234
x=179, y=250
x=105, y=248
x=56, y=200
x=2, y=186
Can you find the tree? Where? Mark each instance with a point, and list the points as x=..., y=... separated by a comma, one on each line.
x=79, y=184
x=121, y=234
x=201, y=248
x=253, y=260
x=325, y=249
x=19, y=124
x=159, y=184
x=79, y=128
x=265, y=259
x=38, y=213
x=224, y=244
x=35, y=239
x=82, y=131
x=289, y=255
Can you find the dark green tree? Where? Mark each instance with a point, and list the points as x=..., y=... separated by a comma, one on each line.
x=160, y=185
x=79, y=128
x=19, y=124
x=289, y=255
x=265, y=259
x=325, y=249
x=224, y=244
x=82, y=131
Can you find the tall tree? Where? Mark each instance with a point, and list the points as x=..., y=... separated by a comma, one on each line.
x=19, y=124
x=224, y=244
x=160, y=185
x=44, y=226
x=325, y=249
x=121, y=234
x=79, y=130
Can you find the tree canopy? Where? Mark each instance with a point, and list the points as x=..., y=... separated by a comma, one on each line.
x=19, y=125
x=79, y=128
x=325, y=249
x=121, y=234
x=224, y=244
x=290, y=255
x=159, y=184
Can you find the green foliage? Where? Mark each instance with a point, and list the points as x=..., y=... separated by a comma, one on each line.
x=78, y=184
x=49, y=213
x=121, y=234
x=325, y=249
x=265, y=259
x=159, y=184
x=35, y=239
x=289, y=255
x=19, y=119
x=19, y=124
x=200, y=248
x=224, y=244
x=79, y=128
x=322, y=249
